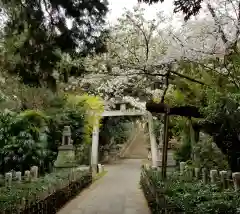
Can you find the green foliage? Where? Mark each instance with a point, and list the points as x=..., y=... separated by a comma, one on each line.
x=92, y=106
x=114, y=131
x=73, y=111
x=10, y=198
x=117, y=128
x=157, y=125
x=23, y=140
x=218, y=102
x=36, y=34
x=187, y=196
x=209, y=156
x=184, y=150
x=32, y=137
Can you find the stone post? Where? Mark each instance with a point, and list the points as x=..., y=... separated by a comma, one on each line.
x=100, y=170
x=223, y=177
x=19, y=176
x=23, y=203
x=236, y=180
x=149, y=154
x=8, y=179
x=147, y=166
x=27, y=175
x=123, y=107
x=182, y=167
x=189, y=172
x=34, y=172
x=153, y=142
x=204, y=175
x=197, y=173
x=213, y=176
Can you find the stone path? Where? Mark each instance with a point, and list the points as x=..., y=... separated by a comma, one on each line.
x=118, y=192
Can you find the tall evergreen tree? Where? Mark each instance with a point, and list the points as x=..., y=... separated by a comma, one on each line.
x=37, y=30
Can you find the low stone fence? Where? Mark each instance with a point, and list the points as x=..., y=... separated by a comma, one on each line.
x=31, y=194
x=156, y=201
x=154, y=188
x=225, y=179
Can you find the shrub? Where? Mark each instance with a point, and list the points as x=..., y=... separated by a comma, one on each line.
x=209, y=155
x=184, y=150
x=176, y=195
x=37, y=195
x=74, y=112
x=32, y=137
x=23, y=140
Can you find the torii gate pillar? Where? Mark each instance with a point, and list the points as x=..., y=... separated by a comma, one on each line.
x=95, y=144
x=153, y=142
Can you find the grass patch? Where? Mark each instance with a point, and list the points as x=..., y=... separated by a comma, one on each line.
x=99, y=175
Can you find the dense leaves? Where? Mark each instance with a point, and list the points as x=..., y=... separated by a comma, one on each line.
x=177, y=194
x=46, y=202
x=32, y=137
x=37, y=32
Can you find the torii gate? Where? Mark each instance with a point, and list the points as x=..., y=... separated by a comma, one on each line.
x=123, y=112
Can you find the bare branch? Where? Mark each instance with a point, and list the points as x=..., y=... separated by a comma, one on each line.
x=214, y=16
x=167, y=85
x=146, y=38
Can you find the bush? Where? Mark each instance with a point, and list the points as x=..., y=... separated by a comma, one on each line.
x=23, y=140
x=184, y=150
x=32, y=137
x=114, y=132
x=37, y=195
x=209, y=155
x=73, y=111
x=176, y=195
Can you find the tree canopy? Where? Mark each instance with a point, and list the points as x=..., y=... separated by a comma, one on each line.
x=188, y=7
x=37, y=32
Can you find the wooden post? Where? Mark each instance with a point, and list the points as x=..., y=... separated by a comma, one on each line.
x=154, y=150
x=165, y=146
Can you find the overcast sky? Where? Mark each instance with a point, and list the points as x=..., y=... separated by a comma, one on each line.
x=117, y=8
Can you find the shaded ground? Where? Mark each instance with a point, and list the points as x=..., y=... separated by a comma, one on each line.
x=118, y=192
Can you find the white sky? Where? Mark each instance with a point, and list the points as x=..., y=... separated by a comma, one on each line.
x=117, y=7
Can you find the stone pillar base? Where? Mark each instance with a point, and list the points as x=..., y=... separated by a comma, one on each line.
x=66, y=157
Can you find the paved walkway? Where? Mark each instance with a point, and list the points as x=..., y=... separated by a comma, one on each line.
x=118, y=192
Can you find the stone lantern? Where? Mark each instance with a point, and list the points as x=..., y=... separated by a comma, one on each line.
x=66, y=152
x=66, y=136
x=121, y=105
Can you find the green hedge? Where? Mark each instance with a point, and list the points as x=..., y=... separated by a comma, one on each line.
x=176, y=195
x=32, y=137
x=46, y=195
